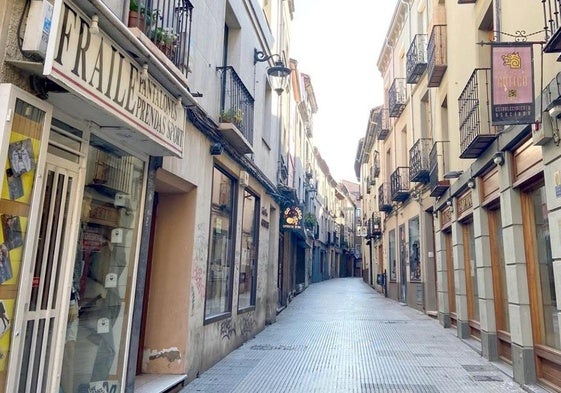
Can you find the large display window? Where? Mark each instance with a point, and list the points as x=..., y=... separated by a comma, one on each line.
x=218, y=300
x=102, y=279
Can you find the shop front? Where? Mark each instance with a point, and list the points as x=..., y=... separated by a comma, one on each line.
x=74, y=185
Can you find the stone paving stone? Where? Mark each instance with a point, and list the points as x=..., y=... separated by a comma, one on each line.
x=340, y=336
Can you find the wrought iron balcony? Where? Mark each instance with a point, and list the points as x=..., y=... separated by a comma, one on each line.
x=438, y=184
x=552, y=23
x=476, y=132
x=417, y=58
x=399, y=184
x=419, y=164
x=436, y=54
x=384, y=125
x=376, y=224
x=236, y=108
x=167, y=24
x=384, y=200
x=397, y=97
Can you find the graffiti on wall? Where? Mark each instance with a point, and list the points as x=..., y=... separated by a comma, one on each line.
x=227, y=329
x=247, y=325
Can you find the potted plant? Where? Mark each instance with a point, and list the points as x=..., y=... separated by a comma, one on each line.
x=232, y=115
x=136, y=15
x=165, y=39
x=310, y=220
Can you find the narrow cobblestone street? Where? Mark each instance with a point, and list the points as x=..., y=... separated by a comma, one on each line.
x=342, y=336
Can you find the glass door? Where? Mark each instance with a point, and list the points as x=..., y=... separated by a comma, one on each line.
x=42, y=316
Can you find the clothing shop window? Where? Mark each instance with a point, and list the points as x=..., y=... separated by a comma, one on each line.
x=219, y=271
x=249, y=240
x=391, y=255
x=414, y=250
x=102, y=278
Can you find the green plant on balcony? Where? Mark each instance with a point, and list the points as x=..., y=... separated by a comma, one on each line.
x=165, y=39
x=310, y=220
x=232, y=115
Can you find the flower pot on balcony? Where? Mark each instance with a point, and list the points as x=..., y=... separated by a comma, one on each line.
x=136, y=19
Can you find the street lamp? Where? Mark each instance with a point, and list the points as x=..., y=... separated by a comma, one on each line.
x=278, y=75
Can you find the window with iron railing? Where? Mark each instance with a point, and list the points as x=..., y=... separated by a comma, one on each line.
x=419, y=164
x=417, y=58
x=399, y=184
x=397, y=97
x=437, y=61
x=552, y=23
x=167, y=23
x=236, y=103
x=476, y=132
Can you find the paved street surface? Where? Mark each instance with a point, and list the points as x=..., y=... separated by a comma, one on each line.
x=342, y=336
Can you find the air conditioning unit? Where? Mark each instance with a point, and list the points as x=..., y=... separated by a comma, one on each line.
x=40, y=15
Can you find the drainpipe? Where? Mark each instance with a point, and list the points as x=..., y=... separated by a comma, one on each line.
x=497, y=20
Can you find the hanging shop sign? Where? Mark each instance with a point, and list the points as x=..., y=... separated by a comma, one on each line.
x=99, y=70
x=291, y=218
x=512, y=84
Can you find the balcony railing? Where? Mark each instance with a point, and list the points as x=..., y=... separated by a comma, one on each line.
x=384, y=200
x=384, y=125
x=399, y=183
x=437, y=183
x=552, y=23
x=236, y=105
x=476, y=132
x=417, y=58
x=397, y=97
x=437, y=62
x=419, y=164
x=167, y=23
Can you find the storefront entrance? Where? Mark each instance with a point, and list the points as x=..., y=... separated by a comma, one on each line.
x=43, y=315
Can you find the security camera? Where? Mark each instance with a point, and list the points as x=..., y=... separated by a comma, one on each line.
x=555, y=111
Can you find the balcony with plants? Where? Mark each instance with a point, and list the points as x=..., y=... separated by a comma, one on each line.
x=437, y=183
x=476, y=131
x=419, y=164
x=166, y=28
x=236, y=111
x=397, y=96
x=399, y=184
x=416, y=58
x=384, y=200
x=437, y=60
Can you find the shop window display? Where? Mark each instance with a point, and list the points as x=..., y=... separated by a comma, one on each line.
x=102, y=276
x=219, y=272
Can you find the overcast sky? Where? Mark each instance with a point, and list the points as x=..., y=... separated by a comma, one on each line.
x=337, y=44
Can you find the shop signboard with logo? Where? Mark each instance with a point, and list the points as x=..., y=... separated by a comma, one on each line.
x=512, y=84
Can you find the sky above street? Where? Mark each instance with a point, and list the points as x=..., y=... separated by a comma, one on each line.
x=338, y=44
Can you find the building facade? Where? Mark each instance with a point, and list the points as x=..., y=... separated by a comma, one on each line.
x=474, y=104
x=140, y=203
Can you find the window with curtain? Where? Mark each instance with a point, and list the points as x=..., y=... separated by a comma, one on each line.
x=219, y=271
x=248, y=260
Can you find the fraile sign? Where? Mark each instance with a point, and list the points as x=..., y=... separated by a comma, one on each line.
x=97, y=68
